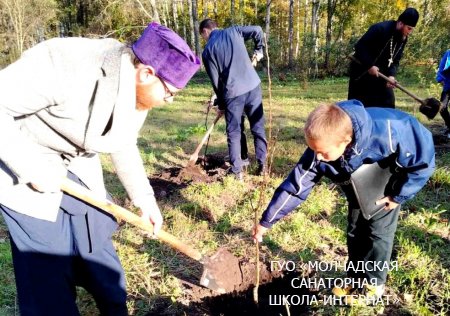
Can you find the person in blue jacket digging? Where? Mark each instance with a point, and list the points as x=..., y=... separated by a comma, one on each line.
x=443, y=77
x=341, y=138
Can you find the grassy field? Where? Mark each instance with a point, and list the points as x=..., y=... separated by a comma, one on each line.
x=221, y=214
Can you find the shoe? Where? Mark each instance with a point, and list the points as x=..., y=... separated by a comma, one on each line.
x=238, y=176
x=368, y=295
x=342, y=291
x=261, y=170
x=373, y=291
x=245, y=162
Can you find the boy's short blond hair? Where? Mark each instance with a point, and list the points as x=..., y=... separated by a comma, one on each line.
x=328, y=121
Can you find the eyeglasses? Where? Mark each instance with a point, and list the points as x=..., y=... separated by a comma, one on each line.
x=168, y=94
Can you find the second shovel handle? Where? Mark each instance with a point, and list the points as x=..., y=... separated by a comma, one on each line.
x=194, y=156
x=119, y=212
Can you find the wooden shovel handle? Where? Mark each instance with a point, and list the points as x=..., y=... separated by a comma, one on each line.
x=194, y=156
x=119, y=212
x=391, y=82
x=401, y=88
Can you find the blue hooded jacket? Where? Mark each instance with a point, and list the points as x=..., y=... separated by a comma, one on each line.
x=227, y=62
x=378, y=134
x=443, y=74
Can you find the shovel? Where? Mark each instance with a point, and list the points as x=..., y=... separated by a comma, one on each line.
x=221, y=271
x=429, y=107
x=194, y=156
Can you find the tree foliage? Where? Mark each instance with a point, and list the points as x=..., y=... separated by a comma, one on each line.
x=309, y=36
x=23, y=23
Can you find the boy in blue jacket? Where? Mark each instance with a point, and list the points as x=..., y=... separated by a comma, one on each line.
x=341, y=138
x=443, y=77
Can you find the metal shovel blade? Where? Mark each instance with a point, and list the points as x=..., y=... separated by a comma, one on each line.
x=221, y=272
x=430, y=107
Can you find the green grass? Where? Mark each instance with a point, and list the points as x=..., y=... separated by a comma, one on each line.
x=208, y=216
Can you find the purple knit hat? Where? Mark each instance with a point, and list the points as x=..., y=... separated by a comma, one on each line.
x=167, y=53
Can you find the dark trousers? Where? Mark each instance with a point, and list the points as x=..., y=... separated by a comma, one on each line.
x=249, y=103
x=244, y=148
x=51, y=258
x=445, y=98
x=371, y=242
x=370, y=90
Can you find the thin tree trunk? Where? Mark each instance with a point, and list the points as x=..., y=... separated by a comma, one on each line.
x=215, y=10
x=297, y=44
x=331, y=7
x=314, y=32
x=291, y=33
x=425, y=12
x=175, y=15
x=191, y=24
x=316, y=49
x=232, y=11
x=241, y=11
x=152, y=16
x=183, y=15
x=280, y=18
x=195, y=23
x=16, y=14
x=267, y=28
x=164, y=13
x=305, y=50
x=155, y=11
x=256, y=10
x=205, y=9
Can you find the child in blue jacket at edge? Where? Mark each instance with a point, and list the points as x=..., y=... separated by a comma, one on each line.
x=443, y=77
x=340, y=138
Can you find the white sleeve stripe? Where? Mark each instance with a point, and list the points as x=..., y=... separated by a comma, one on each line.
x=390, y=137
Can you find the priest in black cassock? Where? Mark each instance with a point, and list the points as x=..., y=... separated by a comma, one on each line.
x=379, y=50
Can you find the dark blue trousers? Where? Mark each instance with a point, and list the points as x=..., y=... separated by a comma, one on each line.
x=249, y=103
x=445, y=99
x=371, y=241
x=52, y=258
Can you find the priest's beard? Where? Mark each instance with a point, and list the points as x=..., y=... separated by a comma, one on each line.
x=145, y=98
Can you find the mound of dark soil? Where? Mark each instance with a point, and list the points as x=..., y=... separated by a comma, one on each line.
x=441, y=141
x=242, y=301
x=198, y=300
x=207, y=169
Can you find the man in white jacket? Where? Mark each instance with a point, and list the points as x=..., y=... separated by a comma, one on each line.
x=63, y=102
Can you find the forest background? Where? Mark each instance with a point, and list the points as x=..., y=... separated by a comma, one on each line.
x=308, y=38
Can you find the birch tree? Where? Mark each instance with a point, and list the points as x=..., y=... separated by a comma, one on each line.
x=175, y=15
x=291, y=33
x=154, y=11
x=196, y=26
x=331, y=8
x=191, y=23
x=24, y=19
x=267, y=20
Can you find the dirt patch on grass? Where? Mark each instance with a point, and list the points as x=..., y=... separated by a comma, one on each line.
x=441, y=141
x=198, y=300
x=207, y=169
x=239, y=296
x=243, y=303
